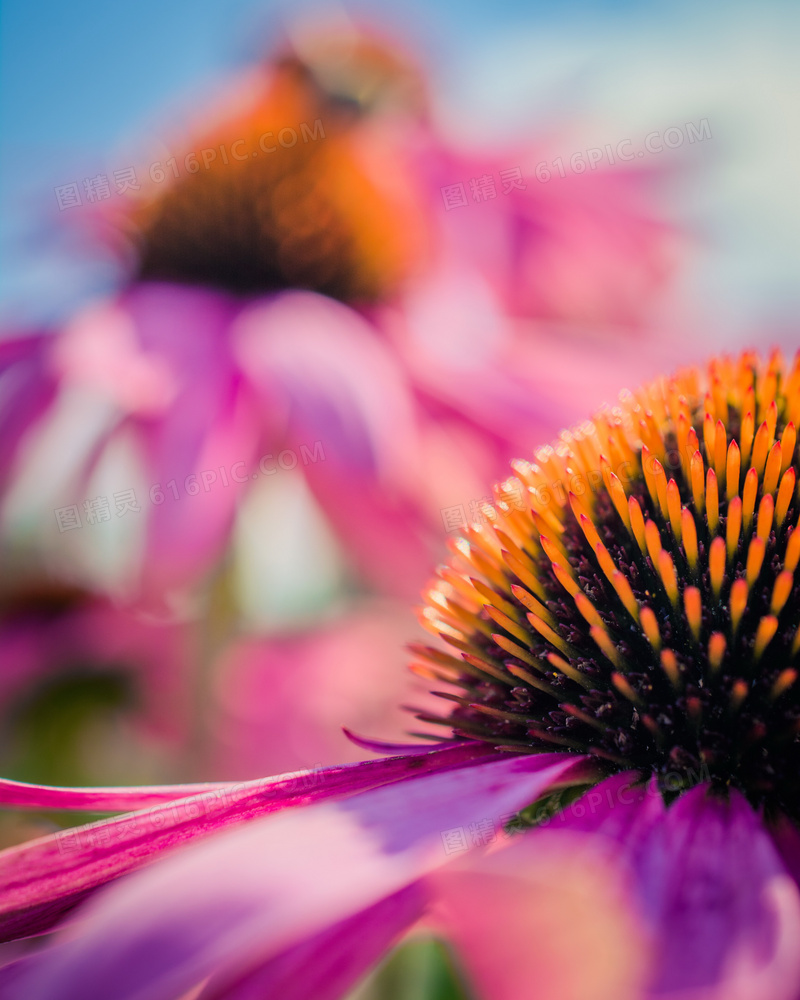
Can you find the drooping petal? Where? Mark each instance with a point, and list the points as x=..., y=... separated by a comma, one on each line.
x=327, y=965
x=45, y=878
x=209, y=424
x=546, y=917
x=344, y=392
x=380, y=746
x=20, y=795
x=725, y=911
x=272, y=883
x=786, y=838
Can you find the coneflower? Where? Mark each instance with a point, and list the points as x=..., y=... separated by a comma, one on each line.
x=620, y=647
x=644, y=608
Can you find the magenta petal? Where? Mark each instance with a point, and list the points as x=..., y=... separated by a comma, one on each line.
x=725, y=911
x=622, y=808
x=264, y=887
x=45, y=878
x=19, y=795
x=329, y=964
x=786, y=838
x=381, y=746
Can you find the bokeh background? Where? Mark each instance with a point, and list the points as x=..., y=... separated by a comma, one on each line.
x=237, y=641
x=80, y=83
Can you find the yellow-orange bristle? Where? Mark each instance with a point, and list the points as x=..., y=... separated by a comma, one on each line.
x=560, y=664
x=739, y=692
x=761, y=448
x=531, y=603
x=521, y=653
x=666, y=570
x=788, y=442
x=689, y=534
x=738, y=602
x=771, y=417
x=720, y=450
x=717, y=645
x=637, y=523
x=525, y=575
x=746, y=437
x=709, y=436
x=669, y=664
x=489, y=596
x=607, y=564
x=619, y=499
x=660, y=477
x=755, y=558
x=796, y=642
x=693, y=607
x=733, y=527
x=749, y=495
x=567, y=582
x=781, y=591
x=653, y=540
x=550, y=635
x=720, y=400
x=674, y=509
x=649, y=624
x=589, y=530
x=767, y=628
x=783, y=682
x=712, y=501
x=606, y=646
x=648, y=468
x=792, y=551
x=555, y=555
x=732, y=471
x=765, y=512
x=508, y=624
x=785, y=493
x=624, y=688
x=623, y=588
x=698, y=482
x=716, y=564
x=588, y=610
x=773, y=469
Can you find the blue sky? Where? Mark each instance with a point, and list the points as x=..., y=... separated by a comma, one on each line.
x=79, y=80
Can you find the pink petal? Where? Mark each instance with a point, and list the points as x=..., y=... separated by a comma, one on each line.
x=329, y=964
x=546, y=917
x=341, y=386
x=258, y=890
x=44, y=878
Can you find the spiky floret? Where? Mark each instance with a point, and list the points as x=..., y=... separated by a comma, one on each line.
x=631, y=593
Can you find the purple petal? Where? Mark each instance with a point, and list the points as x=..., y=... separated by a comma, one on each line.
x=786, y=838
x=45, y=878
x=264, y=887
x=725, y=911
x=329, y=964
x=380, y=746
x=622, y=808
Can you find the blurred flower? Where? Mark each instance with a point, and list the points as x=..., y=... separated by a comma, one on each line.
x=442, y=362
x=280, y=702
x=89, y=690
x=619, y=660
